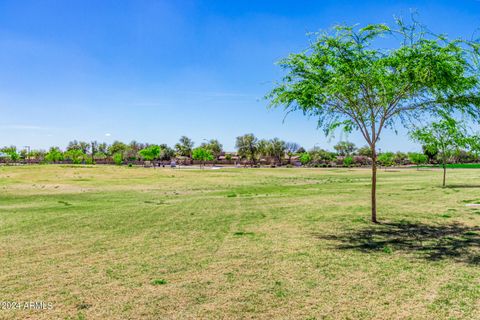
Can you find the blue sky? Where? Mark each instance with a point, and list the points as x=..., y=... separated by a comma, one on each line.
x=155, y=70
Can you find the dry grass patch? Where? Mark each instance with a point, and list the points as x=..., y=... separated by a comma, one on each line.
x=137, y=243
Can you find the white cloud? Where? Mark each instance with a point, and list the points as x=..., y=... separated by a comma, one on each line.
x=108, y=134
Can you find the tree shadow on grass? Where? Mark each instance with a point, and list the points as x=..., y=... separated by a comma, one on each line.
x=454, y=186
x=455, y=242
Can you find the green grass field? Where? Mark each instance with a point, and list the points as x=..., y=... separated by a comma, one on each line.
x=135, y=243
x=456, y=166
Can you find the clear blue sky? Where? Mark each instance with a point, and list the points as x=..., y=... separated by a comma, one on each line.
x=155, y=70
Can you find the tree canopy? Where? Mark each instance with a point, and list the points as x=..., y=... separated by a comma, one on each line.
x=349, y=78
x=447, y=137
x=276, y=149
x=214, y=146
x=202, y=154
x=150, y=153
x=54, y=155
x=75, y=155
x=247, y=147
x=345, y=148
x=184, y=146
x=418, y=158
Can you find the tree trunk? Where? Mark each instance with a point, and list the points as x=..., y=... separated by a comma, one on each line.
x=444, y=174
x=374, y=186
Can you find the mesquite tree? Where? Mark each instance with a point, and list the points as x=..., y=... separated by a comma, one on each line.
x=247, y=146
x=446, y=137
x=150, y=153
x=202, y=154
x=347, y=80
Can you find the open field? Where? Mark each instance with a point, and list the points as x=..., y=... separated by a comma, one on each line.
x=129, y=243
x=457, y=166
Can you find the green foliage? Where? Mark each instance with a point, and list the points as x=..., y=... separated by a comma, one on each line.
x=131, y=154
x=202, y=154
x=54, y=155
x=102, y=148
x=345, y=148
x=365, y=151
x=37, y=155
x=400, y=158
x=292, y=148
x=157, y=282
x=136, y=146
x=263, y=148
x=117, y=147
x=305, y=158
x=23, y=154
x=247, y=147
x=445, y=136
x=430, y=153
x=79, y=145
x=345, y=80
x=150, y=153
x=99, y=155
x=77, y=156
x=276, y=149
x=166, y=153
x=467, y=156
x=214, y=146
x=417, y=158
x=358, y=79
x=184, y=147
x=118, y=158
x=386, y=159
x=347, y=161
x=322, y=156
x=12, y=153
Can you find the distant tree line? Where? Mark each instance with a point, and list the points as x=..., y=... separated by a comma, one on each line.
x=250, y=151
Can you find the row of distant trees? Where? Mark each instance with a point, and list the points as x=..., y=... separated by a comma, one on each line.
x=250, y=150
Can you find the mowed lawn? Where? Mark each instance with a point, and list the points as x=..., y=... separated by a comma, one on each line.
x=105, y=242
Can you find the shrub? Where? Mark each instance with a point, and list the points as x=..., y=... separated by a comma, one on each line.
x=150, y=153
x=400, y=158
x=386, y=159
x=54, y=155
x=347, y=161
x=202, y=154
x=418, y=158
x=99, y=156
x=75, y=155
x=118, y=158
x=305, y=158
x=12, y=153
